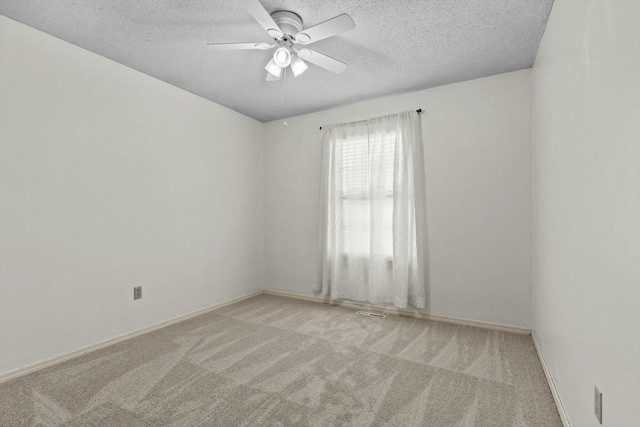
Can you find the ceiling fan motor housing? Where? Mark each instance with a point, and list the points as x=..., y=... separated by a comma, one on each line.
x=290, y=23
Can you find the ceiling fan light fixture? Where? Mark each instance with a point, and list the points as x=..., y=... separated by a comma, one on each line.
x=282, y=57
x=273, y=69
x=298, y=66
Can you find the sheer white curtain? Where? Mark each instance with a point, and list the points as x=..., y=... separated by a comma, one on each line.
x=372, y=219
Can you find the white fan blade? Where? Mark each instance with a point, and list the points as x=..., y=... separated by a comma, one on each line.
x=237, y=46
x=325, y=62
x=333, y=26
x=261, y=15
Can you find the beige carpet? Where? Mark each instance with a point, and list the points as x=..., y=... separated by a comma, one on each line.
x=271, y=361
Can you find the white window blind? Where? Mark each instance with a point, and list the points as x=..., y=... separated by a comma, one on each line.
x=362, y=163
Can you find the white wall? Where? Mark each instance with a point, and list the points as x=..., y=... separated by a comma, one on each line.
x=111, y=179
x=478, y=179
x=586, y=209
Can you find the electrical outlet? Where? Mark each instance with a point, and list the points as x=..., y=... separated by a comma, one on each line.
x=597, y=408
x=137, y=292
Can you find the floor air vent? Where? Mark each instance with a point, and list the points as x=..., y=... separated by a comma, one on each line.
x=371, y=314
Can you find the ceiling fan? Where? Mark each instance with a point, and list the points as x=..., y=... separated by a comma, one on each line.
x=285, y=27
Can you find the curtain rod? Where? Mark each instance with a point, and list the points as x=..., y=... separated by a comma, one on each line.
x=419, y=110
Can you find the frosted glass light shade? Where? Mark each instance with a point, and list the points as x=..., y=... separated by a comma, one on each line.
x=273, y=69
x=298, y=66
x=282, y=57
x=272, y=78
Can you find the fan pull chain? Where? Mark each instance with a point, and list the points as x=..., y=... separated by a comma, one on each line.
x=285, y=96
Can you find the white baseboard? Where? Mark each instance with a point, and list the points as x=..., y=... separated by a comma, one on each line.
x=552, y=386
x=402, y=312
x=41, y=365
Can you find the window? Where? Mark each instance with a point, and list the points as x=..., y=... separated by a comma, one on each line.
x=372, y=211
x=361, y=163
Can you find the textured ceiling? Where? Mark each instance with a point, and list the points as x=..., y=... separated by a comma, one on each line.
x=397, y=46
